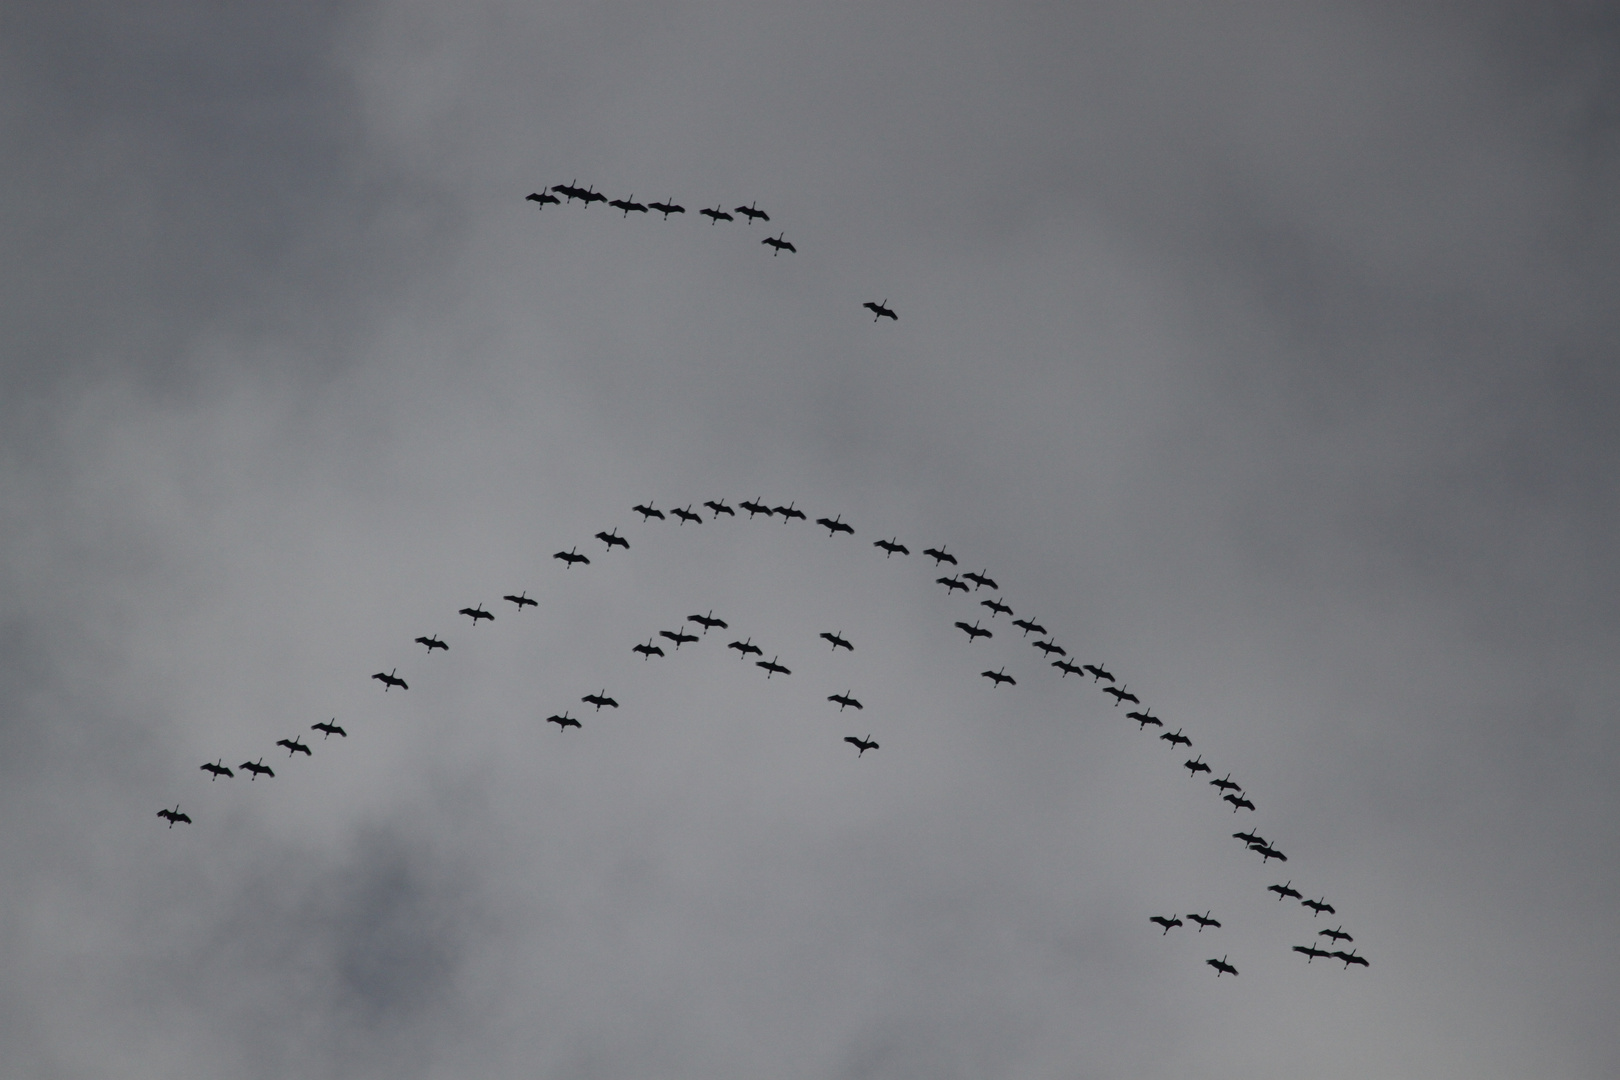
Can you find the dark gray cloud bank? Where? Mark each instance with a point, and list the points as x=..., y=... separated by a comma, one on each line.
x=1264, y=352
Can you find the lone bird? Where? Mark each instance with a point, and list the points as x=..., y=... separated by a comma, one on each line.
x=540, y=198
x=996, y=607
x=647, y=650
x=613, y=538
x=879, y=310
x=1143, y=719
x=572, y=556
x=1067, y=668
x=788, y=511
x=627, y=205
x=522, y=601
x=476, y=613
x=716, y=214
x=836, y=525
x=1030, y=625
x=1165, y=922
x=861, y=745
x=838, y=641
x=677, y=637
x=173, y=815
x=1050, y=647
x=952, y=584
x=564, y=722
x=1284, y=890
x=1120, y=694
x=257, y=767
x=720, y=508
x=1196, y=765
x=1221, y=967
x=756, y=507
x=1348, y=957
x=599, y=699
x=999, y=677
x=844, y=700
x=687, y=515
x=708, y=622
x=1336, y=934
x=1174, y=737
x=648, y=512
x=973, y=632
x=892, y=546
x=667, y=208
x=391, y=680
x=979, y=579
x=745, y=647
x=1238, y=802
x=1204, y=920
x=218, y=768
x=295, y=747
x=1099, y=673
x=772, y=667
x=750, y=213
x=329, y=729
x=432, y=643
x=1311, y=952
x=1318, y=906
x=940, y=555
x=1226, y=783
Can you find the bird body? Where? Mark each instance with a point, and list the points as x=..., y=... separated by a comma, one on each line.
x=1238, y=802
x=540, y=198
x=845, y=701
x=1174, y=737
x=973, y=632
x=173, y=815
x=756, y=507
x=720, y=508
x=564, y=722
x=779, y=244
x=1221, y=967
x=295, y=747
x=687, y=514
x=1119, y=693
x=836, y=525
x=218, y=769
x=1348, y=957
x=522, y=601
x=257, y=767
x=1284, y=890
x=1143, y=719
x=1168, y=922
x=1337, y=934
x=880, y=310
x=838, y=641
x=329, y=729
x=745, y=647
x=788, y=511
x=1311, y=952
x=599, y=699
x=979, y=579
x=890, y=547
x=1204, y=920
x=1267, y=853
x=1226, y=783
x=940, y=555
x=1099, y=673
x=648, y=650
x=861, y=745
x=715, y=215
x=708, y=622
x=613, y=539
x=432, y=643
x=571, y=557
x=648, y=512
x=391, y=680
x=772, y=667
x=1067, y=668
x=999, y=677
x=477, y=613
x=627, y=205
x=750, y=213
x=952, y=584
x=1050, y=647
x=667, y=208
x=677, y=637
x=1249, y=837
x=1318, y=906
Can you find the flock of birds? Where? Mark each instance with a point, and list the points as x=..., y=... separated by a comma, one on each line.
x=968, y=583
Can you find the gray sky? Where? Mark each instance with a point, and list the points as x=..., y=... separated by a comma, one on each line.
x=1262, y=351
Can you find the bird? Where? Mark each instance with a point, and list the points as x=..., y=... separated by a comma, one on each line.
x=844, y=700
x=1143, y=719
x=1318, y=906
x=996, y=607
x=880, y=309
x=838, y=641
x=1120, y=695
x=940, y=555
x=1311, y=952
x=476, y=613
x=432, y=643
x=973, y=632
x=1284, y=890
x=1336, y=934
x=789, y=512
x=648, y=512
x=1221, y=967
x=599, y=699
x=1204, y=920
x=862, y=745
x=1249, y=837
x=745, y=647
x=1267, y=853
x=749, y=212
x=708, y=621
x=590, y=195
x=771, y=667
x=1029, y=625
x=173, y=815
x=1196, y=765
x=218, y=768
x=836, y=525
x=999, y=677
x=892, y=546
x=720, y=508
x=627, y=205
x=779, y=244
x=647, y=650
x=1238, y=802
x=1100, y=673
x=564, y=722
x=1067, y=668
x=1050, y=647
x=1226, y=783
x=1174, y=737
x=540, y=199
x=952, y=584
x=1348, y=957
x=677, y=637
x=756, y=507
x=687, y=515
x=522, y=601
x=257, y=767
x=330, y=729
x=667, y=208
x=1165, y=922
x=979, y=579
x=391, y=680
x=571, y=557
x=570, y=190
x=716, y=214
x=295, y=747
x=612, y=538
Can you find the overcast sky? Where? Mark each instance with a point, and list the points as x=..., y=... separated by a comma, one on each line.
x=1263, y=353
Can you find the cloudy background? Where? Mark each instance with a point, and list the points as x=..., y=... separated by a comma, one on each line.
x=1264, y=352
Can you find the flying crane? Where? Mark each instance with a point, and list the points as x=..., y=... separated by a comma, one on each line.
x=788, y=511
x=1204, y=920
x=1143, y=719
x=979, y=579
x=1311, y=952
x=1165, y=922
x=257, y=767
x=1120, y=695
x=687, y=515
x=1351, y=958
x=892, y=546
x=1030, y=625
x=940, y=555
x=1318, y=906
x=708, y=622
x=1226, y=783
x=1267, y=853
x=996, y=607
x=716, y=214
x=627, y=205
x=750, y=213
x=613, y=538
x=571, y=557
x=476, y=613
x=1174, y=737
x=1067, y=668
x=973, y=632
x=862, y=745
x=999, y=677
x=779, y=244
x=1221, y=967
x=564, y=722
x=432, y=643
x=772, y=667
x=648, y=512
x=540, y=198
x=952, y=584
x=295, y=747
x=756, y=507
x=745, y=647
x=218, y=768
x=1337, y=935
x=599, y=699
x=391, y=680
x=720, y=508
x=844, y=700
x=1238, y=802
x=881, y=310
x=677, y=637
x=329, y=729
x=667, y=208
x=838, y=641
x=522, y=601
x=1099, y=673
x=1284, y=890
x=1196, y=765
x=175, y=815
x=647, y=650
x=836, y=525
x=1050, y=647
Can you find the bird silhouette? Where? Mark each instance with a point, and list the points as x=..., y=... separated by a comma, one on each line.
x=1351, y=958
x=756, y=507
x=599, y=699
x=996, y=607
x=861, y=745
x=1337, y=935
x=1067, y=668
x=218, y=769
x=1168, y=922
x=1028, y=625
x=1099, y=673
x=1143, y=719
x=677, y=637
x=940, y=555
x=173, y=815
x=522, y=601
x=1238, y=802
x=648, y=512
x=648, y=650
x=1174, y=737
x=476, y=613
x=838, y=641
x=708, y=622
x=979, y=579
x=845, y=701
x=751, y=213
x=613, y=539
x=973, y=632
x=1196, y=765
x=687, y=514
x=715, y=215
x=329, y=729
x=1284, y=890
x=1311, y=952
x=836, y=525
x=1204, y=920
x=1119, y=693
x=627, y=205
x=1221, y=967
x=432, y=643
x=540, y=199
x=892, y=547
x=720, y=508
x=999, y=677
x=257, y=767
x=571, y=557
x=745, y=647
x=1318, y=906
x=295, y=747
x=564, y=722
x=952, y=584
x=880, y=310
x=789, y=512
x=772, y=667
x=391, y=680
x=1050, y=647
x=779, y=244
x=667, y=208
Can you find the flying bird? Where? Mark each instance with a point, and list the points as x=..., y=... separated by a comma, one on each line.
x=1238, y=802
x=571, y=557
x=1100, y=673
x=667, y=208
x=476, y=613
x=540, y=199
x=716, y=214
x=708, y=622
x=1337, y=935
x=330, y=729
x=1226, y=783
x=648, y=512
x=175, y=815
x=571, y=190
x=1067, y=668
x=1050, y=647
x=1221, y=967
x=599, y=699
x=789, y=512
x=779, y=244
x=677, y=637
x=979, y=579
x=257, y=767
x=522, y=601
x=996, y=607
x=1267, y=853
x=756, y=507
x=295, y=747
x=432, y=643
x=998, y=677
x=1143, y=719
x=880, y=310
x=1197, y=765
x=745, y=647
x=590, y=195
x=1204, y=920
x=647, y=650
x=1348, y=957
x=838, y=641
x=749, y=212
x=1318, y=906
x=862, y=745
x=1310, y=952
x=627, y=205
x=218, y=768
x=687, y=515
x=564, y=722
x=1120, y=695
x=1167, y=923
x=844, y=700
x=772, y=667
x=720, y=508
x=1029, y=625
x=1249, y=837
x=836, y=525
x=1284, y=890
x=1174, y=737
x=973, y=632
x=613, y=538
x=892, y=546
x=940, y=555
x=952, y=584
x=391, y=680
